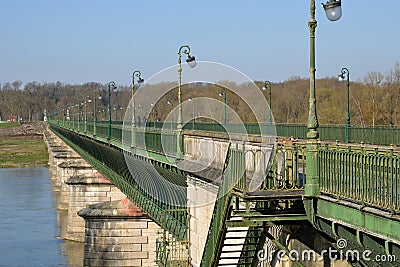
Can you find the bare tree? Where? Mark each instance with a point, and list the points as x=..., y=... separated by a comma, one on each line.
x=373, y=82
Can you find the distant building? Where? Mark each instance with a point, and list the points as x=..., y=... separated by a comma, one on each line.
x=13, y=118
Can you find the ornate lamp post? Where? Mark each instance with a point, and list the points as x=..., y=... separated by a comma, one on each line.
x=68, y=116
x=87, y=100
x=82, y=110
x=77, y=114
x=191, y=99
x=172, y=118
x=267, y=86
x=113, y=86
x=72, y=117
x=96, y=95
x=345, y=74
x=333, y=12
x=191, y=60
x=140, y=81
x=223, y=93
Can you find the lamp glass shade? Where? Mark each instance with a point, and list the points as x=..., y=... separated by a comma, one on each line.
x=140, y=82
x=191, y=61
x=333, y=13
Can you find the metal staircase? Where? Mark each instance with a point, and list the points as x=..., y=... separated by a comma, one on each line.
x=242, y=217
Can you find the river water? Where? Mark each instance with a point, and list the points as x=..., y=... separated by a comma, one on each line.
x=29, y=229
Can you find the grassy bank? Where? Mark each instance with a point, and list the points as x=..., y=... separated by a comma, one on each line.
x=4, y=125
x=22, y=152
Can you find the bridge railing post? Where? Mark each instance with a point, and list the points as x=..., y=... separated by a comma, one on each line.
x=312, y=185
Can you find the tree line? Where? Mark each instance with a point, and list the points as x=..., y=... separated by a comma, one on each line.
x=373, y=101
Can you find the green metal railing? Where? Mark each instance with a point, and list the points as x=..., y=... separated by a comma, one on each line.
x=149, y=139
x=251, y=170
x=231, y=174
x=278, y=167
x=369, y=176
x=171, y=252
x=379, y=135
x=111, y=163
x=358, y=173
x=153, y=140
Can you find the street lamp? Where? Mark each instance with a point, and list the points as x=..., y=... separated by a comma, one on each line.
x=345, y=74
x=267, y=85
x=140, y=81
x=191, y=99
x=332, y=8
x=223, y=93
x=82, y=110
x=68, y=116
x=71, y=117
x=116, y=109
x=87, y=100
x=140, y=119
x=191, y=60
x=113, y=86
x=99, y=97
x=77, y=115
x=154, y=114
x=172, y=117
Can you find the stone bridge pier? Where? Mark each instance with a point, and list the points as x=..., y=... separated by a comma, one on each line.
x=91, y=211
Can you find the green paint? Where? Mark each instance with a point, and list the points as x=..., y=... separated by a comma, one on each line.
x=382, y=225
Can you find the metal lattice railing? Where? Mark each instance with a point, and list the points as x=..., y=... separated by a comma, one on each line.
x=359, y=173
x=380, y=135
x=171, y=252
x=221, y=211
x=366, y=176
x=111, y=163
x=281, y=167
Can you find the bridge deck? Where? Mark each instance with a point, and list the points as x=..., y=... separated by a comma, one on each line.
x=274, y=194
x=356, y=187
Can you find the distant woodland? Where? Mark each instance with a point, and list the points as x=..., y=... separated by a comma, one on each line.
x=373, y=101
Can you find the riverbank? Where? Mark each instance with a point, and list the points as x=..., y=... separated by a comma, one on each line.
x=22, y=146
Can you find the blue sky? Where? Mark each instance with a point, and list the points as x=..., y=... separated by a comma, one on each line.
x=79, y=41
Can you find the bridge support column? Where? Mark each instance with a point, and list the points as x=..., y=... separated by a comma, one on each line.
x=69, y=169
x=201, y=200
x=57, y=159
x=118, y=233
x=86, y=190
x=58, y=152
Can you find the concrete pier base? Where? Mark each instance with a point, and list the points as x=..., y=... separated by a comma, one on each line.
x=114, y=232
x=118, y=233
x=69, y=169
x=87, y=190
x=59, y=158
